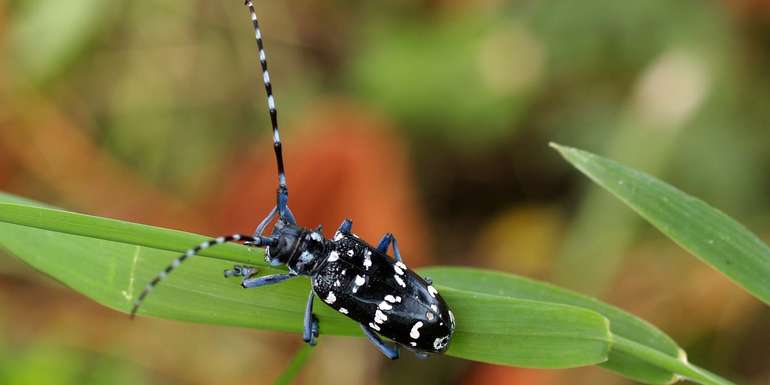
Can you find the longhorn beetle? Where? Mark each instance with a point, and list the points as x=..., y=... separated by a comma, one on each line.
x=356, y=279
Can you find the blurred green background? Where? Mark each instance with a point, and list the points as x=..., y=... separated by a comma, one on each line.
x=429, y=119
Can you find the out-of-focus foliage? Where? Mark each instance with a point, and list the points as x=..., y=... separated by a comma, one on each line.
x=428, y=119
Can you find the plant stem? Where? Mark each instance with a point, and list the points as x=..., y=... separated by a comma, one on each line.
x=295, y=366
x=678, y=366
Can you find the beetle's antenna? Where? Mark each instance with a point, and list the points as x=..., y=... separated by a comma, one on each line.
x=253, y=241
x=270, y=97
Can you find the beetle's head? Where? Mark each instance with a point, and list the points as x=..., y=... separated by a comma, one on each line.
x=295, y=246
x=287, y=239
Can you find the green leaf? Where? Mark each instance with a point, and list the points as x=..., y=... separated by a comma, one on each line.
x=110, y=261
x=704, y=231
x=621, y=323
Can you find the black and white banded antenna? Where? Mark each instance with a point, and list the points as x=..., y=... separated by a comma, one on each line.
x=281, y=208
x=255, y=241
x=270, y=97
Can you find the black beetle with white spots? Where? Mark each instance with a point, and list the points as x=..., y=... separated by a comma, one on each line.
x=353, y=277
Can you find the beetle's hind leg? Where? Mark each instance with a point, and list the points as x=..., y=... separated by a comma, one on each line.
x=389, y=351
x=310, y=332
x=386, y=241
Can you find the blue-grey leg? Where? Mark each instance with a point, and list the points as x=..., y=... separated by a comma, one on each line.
x=389, y=351
x=382, y=247
x=261, y=228
x=387, y=239
x=310, y=332
x=422, y=355
x=241, y=271
x=396, y=252
x=345, y=226
x=265, y=280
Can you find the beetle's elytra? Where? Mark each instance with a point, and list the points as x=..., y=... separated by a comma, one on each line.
x=356, y=279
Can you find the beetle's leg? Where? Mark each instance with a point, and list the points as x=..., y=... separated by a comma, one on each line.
x=311, y=322
x=389, y=351
x=345, y=226
x=265, y=280
x=382, y=247
x=396, y=252
x=241, y=271
x=387, y=239
x=261, y=227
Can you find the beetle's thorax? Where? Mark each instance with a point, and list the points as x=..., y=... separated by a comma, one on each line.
x=299, y=248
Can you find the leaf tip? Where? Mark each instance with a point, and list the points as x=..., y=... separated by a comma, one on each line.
x=564, y=151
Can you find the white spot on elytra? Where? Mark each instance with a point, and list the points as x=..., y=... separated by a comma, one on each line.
x=343, y=310
x=434, y=307
x=413, y=343
x=337, y=236
x=390, y=298
x=401, y=265
x=384, y=305
x=337, y=283
x=440, y=343
x=398, y=270
x=429, y=315
x=316, y=237
x=415, y=332
x=432, y=290
x=399, y=281
x=398, y=298
x=330, y=298
x=380, y=317
x=344, y=271
x=451, y=320
x=359, y=282
x=373, y=326
x=367, y=259
x=333, y=256
x=351, y=252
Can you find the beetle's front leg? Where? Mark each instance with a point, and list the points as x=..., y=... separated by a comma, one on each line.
x=265, y=280
x=241, y=271
x=310, y=332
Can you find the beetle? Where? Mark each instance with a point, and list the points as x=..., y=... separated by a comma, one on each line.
x=356, y=279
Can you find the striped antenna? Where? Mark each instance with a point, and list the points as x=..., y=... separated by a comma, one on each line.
x=270, y=97
x=253, y=241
